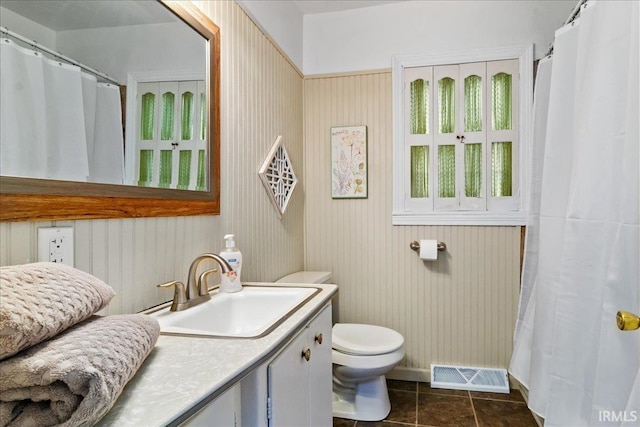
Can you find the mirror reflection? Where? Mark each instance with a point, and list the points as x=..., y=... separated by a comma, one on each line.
x=103, y=91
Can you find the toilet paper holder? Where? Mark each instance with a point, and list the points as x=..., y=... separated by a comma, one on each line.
x=415, y=245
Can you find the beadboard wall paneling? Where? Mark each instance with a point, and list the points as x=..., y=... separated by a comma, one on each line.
x=458, y=310
x=261, y=98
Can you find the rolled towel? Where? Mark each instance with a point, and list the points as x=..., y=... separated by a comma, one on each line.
x=74, y=378
x=40, y=300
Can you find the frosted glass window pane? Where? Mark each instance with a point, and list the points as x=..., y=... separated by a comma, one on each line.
x=147, y=119
x=203, y=117
x=501, y=116
x=473, y=170
x=187, y=116
x=473, y=104
x=166, y=165
x=168, y=104
x=201, y=184
x=446, y=171
x=184, y=169
x=501, y=169
x=419, y=107
x=420, y=171
x=146, y=168
x=447, y=105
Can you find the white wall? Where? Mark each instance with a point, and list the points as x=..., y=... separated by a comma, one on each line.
x=365, y=39
x=282, y=21
x=157, y=47
x=27, y=28
x=166, y=47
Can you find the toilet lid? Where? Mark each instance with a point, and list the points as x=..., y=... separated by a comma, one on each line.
x=361, y=339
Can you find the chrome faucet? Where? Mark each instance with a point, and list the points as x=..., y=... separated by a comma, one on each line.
x=196, y=291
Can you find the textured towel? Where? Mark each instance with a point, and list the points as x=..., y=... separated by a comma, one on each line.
x=76, y=377
x=40, y=300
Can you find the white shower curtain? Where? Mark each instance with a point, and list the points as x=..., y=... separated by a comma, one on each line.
x=42, y=106
x=581, y=255
x=105, y=141
x=21, y=80
x=89, y=97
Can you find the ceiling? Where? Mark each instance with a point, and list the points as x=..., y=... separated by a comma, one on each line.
x=309, y=7
x=61, y=15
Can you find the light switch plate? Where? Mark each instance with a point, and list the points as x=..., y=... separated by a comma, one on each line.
x=55, y=244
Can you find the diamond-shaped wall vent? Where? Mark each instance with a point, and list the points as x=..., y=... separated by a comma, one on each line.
x=278, y=177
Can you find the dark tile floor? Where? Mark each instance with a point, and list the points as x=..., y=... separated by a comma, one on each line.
x=417, y=404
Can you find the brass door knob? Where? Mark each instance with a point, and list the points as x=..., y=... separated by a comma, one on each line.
x=306, y=354
x=319, y=339
x=627, y=321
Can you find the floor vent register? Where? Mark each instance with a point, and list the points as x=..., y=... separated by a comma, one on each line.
x=469, y=378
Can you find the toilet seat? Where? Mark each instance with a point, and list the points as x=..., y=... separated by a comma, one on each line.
x=378, y=361
x=365, y=340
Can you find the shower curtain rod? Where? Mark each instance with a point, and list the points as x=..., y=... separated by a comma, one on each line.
x=58, y=55
x=572, y=16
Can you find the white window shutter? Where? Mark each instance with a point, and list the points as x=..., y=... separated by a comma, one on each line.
x=490, y=195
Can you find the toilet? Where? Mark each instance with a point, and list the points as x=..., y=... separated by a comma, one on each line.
x=361, y=356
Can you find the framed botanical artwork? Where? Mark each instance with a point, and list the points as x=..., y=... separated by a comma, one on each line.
x=349, y=162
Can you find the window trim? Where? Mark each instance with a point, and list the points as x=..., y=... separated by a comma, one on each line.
x=400, y=214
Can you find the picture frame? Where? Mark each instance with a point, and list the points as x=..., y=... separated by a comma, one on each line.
x=349, y=169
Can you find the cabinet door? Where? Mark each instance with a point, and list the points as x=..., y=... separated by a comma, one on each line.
x=288, y=379
x=472, y=176
x=300, y=388
x=224, y=411
x=445, y=137
x=320, y=376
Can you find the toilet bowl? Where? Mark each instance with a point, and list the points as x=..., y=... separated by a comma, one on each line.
x=361, y=356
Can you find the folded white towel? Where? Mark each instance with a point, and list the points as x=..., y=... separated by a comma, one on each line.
x=74, y=378
x=40, y=300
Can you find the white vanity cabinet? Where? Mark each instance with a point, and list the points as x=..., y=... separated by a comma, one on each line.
x=286, y=390
x=197, y=381
x=224, y=411
x=299, y=378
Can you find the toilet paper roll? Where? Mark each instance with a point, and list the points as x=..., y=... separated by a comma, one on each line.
x=429, y=250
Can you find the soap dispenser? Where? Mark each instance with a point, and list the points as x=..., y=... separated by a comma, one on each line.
x=230, y=282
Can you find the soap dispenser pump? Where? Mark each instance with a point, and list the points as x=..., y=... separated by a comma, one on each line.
x=230, y=282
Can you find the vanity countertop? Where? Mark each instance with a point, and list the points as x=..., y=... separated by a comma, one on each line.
x=182, y=371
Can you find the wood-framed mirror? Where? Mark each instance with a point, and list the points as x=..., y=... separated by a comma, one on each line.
x=37, y=199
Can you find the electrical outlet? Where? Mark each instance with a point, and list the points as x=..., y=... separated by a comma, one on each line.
x=55, y=244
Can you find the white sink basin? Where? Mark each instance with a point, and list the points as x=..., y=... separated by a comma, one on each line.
x=253, y=312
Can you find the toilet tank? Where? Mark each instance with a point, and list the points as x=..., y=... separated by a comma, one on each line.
x=306, y=277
